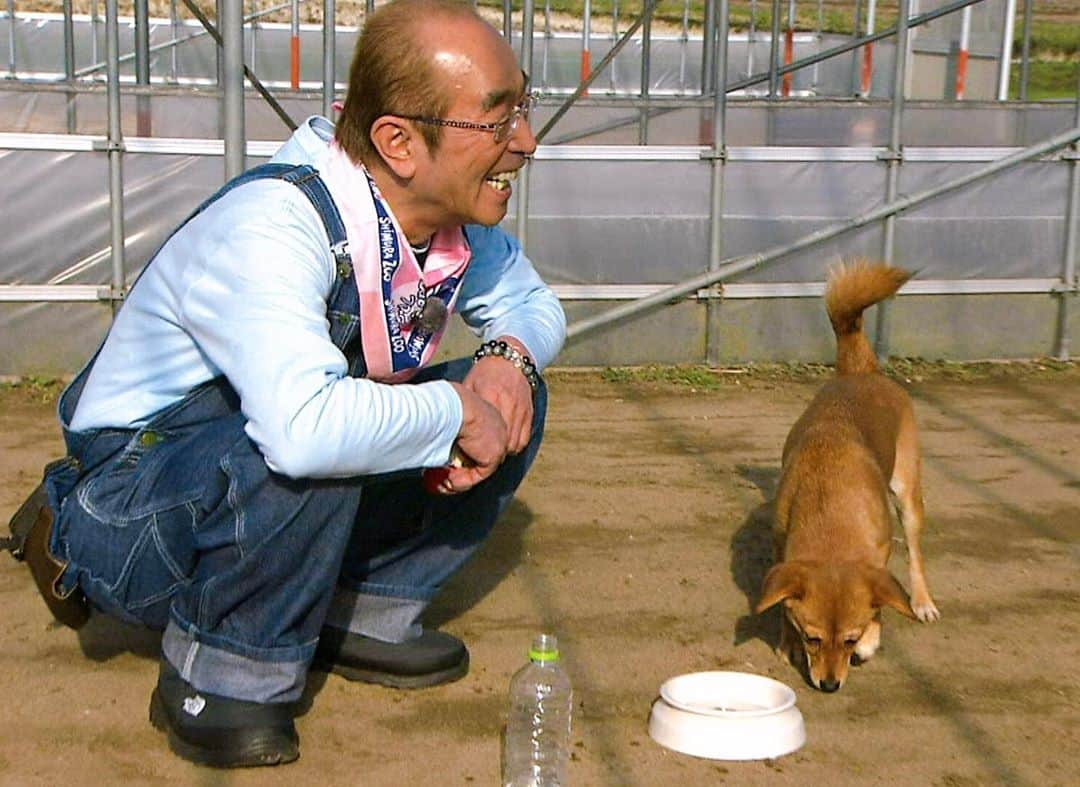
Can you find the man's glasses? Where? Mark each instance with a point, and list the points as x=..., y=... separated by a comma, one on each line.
x=501, y=130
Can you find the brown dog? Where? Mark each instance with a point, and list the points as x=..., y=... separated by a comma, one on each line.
x=833, y=523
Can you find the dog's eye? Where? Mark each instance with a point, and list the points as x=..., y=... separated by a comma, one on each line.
x=813, y=642
x=851, y=642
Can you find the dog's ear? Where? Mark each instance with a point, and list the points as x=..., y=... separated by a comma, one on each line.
x=784, y=580
x=888, y=592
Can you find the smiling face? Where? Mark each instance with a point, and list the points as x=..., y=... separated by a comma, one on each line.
x=467, y=178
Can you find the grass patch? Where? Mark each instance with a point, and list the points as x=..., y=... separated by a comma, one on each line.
x=1047, y=79
x=907, y=370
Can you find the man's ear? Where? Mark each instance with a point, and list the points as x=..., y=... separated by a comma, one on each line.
x=784, y=580
x=888, y=592
x=396, y=142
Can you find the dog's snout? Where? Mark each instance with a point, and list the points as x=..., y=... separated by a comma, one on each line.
x=829, y=685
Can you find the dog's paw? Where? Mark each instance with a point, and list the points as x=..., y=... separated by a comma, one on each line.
x=869, y=642
x=925, y=610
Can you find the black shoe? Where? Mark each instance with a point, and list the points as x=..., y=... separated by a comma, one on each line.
x=224, y=733
x=433, y=658
x=31, y=533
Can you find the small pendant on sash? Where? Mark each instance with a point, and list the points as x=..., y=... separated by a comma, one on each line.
x=432, y=316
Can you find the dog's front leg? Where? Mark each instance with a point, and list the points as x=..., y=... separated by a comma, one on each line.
x=906, y=485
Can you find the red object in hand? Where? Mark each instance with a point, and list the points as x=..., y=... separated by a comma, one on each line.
x=433, y=478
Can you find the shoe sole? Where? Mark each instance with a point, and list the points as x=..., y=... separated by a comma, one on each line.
x=391, y=680
x=257, y=753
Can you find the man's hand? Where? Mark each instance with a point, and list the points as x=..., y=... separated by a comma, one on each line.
x=500, y=383
x=481, y=444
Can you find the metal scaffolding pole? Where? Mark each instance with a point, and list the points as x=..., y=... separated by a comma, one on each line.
x=893, y=158
x=329, y=55
x=1005, y=64
x=115, y=148
x=11, y=37
x=708, y=49
x=669, y=295
x=232, y=95
x=521, y=218
x=584, y=86
x=142, y=66
x=69, y=63
x=646, y=78
x=716, y=184
x=1072, y=240
x=774, y=50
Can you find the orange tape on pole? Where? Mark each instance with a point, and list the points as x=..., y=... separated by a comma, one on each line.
x=867, y=68
x=789, y=53
x=294, y=61
x=585, y=68
x=961, y=73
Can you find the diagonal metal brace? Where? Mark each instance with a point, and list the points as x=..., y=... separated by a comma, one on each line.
x=254, y=80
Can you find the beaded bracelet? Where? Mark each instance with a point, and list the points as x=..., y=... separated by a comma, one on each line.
x=504, y=350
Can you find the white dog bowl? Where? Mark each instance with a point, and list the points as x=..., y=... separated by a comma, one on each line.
x=727, y=716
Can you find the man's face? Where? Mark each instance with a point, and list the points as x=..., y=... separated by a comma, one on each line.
x=465, y=180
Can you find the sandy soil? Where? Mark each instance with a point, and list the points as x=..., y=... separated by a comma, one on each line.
x=640, y=540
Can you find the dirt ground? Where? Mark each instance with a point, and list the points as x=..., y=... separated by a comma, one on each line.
x=640, y=539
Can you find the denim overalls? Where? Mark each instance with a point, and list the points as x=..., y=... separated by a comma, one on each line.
x=180, y=525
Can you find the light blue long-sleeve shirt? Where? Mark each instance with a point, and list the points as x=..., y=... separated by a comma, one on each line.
x=242, y=290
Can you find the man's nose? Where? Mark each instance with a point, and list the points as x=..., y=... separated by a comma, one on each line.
x=522, y=140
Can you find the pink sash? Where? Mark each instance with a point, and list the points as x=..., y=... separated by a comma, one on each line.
x=394, y=290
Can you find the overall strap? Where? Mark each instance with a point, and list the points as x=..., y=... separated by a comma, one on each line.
x=303, y=176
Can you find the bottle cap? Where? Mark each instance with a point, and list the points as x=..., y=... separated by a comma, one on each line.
x=545, y=647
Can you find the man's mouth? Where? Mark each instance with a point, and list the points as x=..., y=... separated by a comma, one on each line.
x=502, y=181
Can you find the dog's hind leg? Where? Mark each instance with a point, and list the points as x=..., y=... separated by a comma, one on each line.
x=907, y=487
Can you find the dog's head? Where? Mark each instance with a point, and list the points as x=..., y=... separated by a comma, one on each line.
x=831, y=605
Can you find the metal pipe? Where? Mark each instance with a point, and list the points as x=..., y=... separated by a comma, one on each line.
x=962, y=55
x=893, y=157
x=751, y=38
x=738, y=265
x=646, y=78
x=254, y=80
x=508, y=21
x=142, y=66
x=856, y=25
x=254, y=36
x=1072, y=240
x=115, y=147
x=585, y=67
x=69, y=63
x=684, y=42
x=176, y=41
x=1006, y=50
x=810, y=60
x=866, y=77
x=1025, y=56
x=716, y=182
x=522, y=190
x=789, y=48
x=547, y=42
x=626, y=37
x=232, y=35
x=174, y=28
x=329, y=56
x=708, y=49
x=614, y=38
x=294, y=45
x=774, y=50
x=11, y=37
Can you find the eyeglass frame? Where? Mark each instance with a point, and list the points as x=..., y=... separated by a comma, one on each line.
x=510, y=122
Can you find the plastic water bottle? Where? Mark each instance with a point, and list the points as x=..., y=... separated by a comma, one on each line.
x=537, y=743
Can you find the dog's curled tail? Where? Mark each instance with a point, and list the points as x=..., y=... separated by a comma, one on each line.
x=852, y=288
